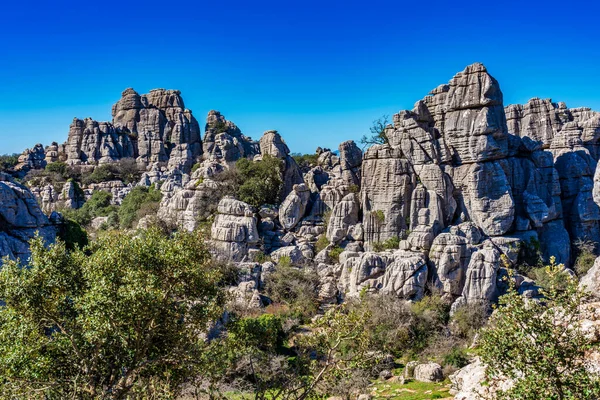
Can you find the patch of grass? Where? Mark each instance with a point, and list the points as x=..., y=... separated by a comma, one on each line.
x=412, y=390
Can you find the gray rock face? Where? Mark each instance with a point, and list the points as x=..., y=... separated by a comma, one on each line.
x=149, y=128
x=20, y=219
x=343, y=216
x=34, y=158
x=350, y=162
x=591, y=281
x=223, y=140
x=572, y=135
x=294, y=206
x=402, y=274
x=233, y=230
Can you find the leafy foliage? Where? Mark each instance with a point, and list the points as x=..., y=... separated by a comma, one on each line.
x=585, y=255
x=390, y=244
x=97, y=206
x=125, y=170
x=305, y=160
x=294, y=287
x=540, y=345
x=72, y=234
x=8, y=161
x=139, y=202
x=120, y=316
x=261, y=181
x=58, y=167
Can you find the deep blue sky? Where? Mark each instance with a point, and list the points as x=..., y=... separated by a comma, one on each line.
x=317, y=71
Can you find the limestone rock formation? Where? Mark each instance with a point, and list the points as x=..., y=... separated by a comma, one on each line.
x=20, y=219
x=233, y=230
x=147, y=127
x=223, y=140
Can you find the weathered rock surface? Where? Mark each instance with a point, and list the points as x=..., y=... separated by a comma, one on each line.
x=20, y=219
x=429, y=372
x=233, y=230
x=149, y=128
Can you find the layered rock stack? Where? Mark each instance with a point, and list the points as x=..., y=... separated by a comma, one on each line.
x=154, y=127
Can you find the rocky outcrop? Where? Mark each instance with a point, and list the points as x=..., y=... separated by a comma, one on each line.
x=149, y=128
x=223, y=140
x=20, y=220
x=233, y=230
x=402, y=274
x=34, y=158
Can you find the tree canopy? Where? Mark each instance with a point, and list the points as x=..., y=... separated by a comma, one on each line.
x=122, y=315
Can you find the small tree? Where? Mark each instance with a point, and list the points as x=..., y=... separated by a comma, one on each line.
x=377, y=130
x=124, y=313
x=539, y=345
x=261, y=181
x=278, y=365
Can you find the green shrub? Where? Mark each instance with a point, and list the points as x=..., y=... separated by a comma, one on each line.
x=196, y=166
x=101, y=173
x=72, y=234
x=585, y=256
x=58, y=167
x=305, y=160
x=469, y=318
x=354, y=188
x=390, y=244
x=335, y=252
x=456, y=357
x=552, y=275
x=140, y=198
x=378, y=215
x=8, y=161
x=297, y=288
x=549, y=361
x=321, y=243
x=122, y=315
x=125, y=170
x=97, y=206
x=261, y=181
x=401, y=328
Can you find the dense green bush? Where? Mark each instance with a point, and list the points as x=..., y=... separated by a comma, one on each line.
x=97, y=206
x=8, y=161
x=72, y=234
x=58, y=167
x=402, y=328
x=305, y=160
x=141, y=201
x=391, y=244
x=120, y=317
x=261, y=181
x=125, y=170
x=540, y=345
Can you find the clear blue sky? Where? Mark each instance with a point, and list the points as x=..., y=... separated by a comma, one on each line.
x=317, y=71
